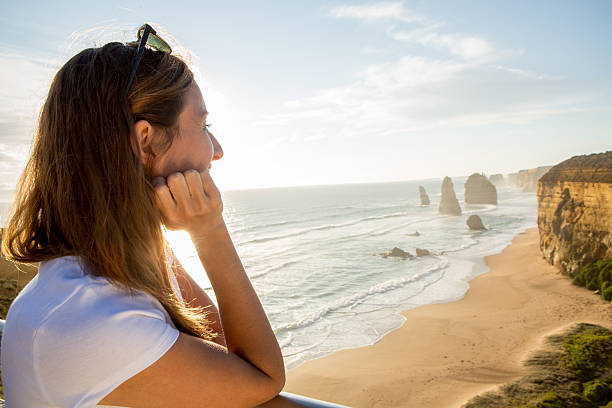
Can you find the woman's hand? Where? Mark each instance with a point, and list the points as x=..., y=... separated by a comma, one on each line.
x=190, y=201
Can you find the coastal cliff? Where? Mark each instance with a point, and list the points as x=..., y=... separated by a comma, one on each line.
x=512, y=178
x=528, y=179
x=575, y=211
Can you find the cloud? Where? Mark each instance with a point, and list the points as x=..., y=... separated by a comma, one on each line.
x=418, y=29
x=376, y=11
x=420, y=94
x=528, y=74
x=24, y=83
x=468, y=47
x=417, y=94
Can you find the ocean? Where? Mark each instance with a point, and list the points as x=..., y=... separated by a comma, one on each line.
x=312, y=254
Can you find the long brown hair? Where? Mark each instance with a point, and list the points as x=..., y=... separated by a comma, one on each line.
x=85, y=190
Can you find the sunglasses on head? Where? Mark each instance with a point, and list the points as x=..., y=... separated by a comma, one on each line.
x=146, y=36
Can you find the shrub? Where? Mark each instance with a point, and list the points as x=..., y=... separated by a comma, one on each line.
x=554, y=379
x=598, y=391
x=588, y=352
x=549, y=400
x=605, y=273
x=593, y=284
x=596, y=276
x=607, y=293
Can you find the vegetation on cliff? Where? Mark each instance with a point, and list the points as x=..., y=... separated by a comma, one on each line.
x=573, y=371
x=592, y=168
x=596, y=276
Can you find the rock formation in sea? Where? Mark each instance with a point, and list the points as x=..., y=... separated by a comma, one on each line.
x=475, y=223
x=422, y=252
x=424, y=196
x=497, y=180
x=479, y=190
x=397, y=253
x=575, y=211
x=528, y=179
x=448, y=202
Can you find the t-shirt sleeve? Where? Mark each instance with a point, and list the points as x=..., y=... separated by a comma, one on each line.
x=97, y=340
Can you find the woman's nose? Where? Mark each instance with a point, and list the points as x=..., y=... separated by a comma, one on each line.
x=217, y=149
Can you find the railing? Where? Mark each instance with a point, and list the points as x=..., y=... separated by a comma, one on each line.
x=284, y=400
x=288, y=400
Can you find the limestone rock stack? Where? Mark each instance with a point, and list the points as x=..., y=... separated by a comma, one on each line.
x=424, y=196
x=575, y=211
x=479, y=190
x=528, y=179
x=448, y=202
x=474, y=222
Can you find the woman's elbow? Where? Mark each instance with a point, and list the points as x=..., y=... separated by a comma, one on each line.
x=277, y=383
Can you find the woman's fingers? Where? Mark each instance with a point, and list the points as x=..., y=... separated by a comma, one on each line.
x=163, y=194
x=194, y=184
x=189, y=200
x=209, y=186
x=178, y=188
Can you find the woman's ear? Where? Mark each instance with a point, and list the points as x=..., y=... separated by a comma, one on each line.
x=143, y=131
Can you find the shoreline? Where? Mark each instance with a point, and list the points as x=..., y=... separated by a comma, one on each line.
x=446, y=353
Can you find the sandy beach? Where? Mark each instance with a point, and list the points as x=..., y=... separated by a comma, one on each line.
x=445, y=354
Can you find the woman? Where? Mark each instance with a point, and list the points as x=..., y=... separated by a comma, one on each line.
x=123, y=147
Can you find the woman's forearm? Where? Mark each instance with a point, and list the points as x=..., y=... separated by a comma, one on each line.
x=191, y=201
x=245, y=325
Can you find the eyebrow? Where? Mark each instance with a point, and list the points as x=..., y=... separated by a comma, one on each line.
x=203, y=114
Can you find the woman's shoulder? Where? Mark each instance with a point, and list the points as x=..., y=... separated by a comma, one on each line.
x=64, y=297
x=79, y=335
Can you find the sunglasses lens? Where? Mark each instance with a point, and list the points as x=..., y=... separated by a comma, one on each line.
x=159, y=44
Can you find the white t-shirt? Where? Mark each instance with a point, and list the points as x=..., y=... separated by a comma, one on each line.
x=71, y=338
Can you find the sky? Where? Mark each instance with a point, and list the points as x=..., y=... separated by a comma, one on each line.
x=331, y=92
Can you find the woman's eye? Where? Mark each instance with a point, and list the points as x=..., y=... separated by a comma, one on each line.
x=207, y=126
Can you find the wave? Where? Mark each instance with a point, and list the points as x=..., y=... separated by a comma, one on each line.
x=311, y=346
x=272, y=269
x=479, y=208
x=321, y=217
x=286, y=342
x=254, y=227
x=360, y=296
x=293, y=234
x=265, y=271
x=328, y=227
x=376, y=233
